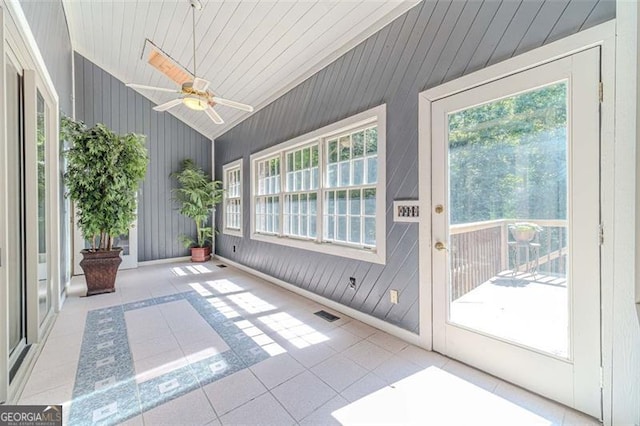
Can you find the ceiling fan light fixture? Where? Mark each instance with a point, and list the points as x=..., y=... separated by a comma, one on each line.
x=195, y=103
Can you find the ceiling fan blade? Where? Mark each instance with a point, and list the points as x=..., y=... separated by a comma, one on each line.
x=213, y=115
x=232, y=104
x=158, y=89
x=200, y=84
x=165, y=106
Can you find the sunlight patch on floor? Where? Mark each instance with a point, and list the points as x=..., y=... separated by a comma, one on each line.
x=434, y=396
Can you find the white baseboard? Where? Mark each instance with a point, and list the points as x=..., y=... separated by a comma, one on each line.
x=394, y=330
x=163, y=261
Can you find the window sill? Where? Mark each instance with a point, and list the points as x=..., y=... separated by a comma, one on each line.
x=233, y=232
x=371, y=256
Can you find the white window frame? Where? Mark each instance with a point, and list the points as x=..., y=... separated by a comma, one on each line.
x=225, y=169
x=378, y=116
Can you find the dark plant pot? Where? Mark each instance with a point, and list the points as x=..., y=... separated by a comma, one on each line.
x=100, y=269
x=200, y=254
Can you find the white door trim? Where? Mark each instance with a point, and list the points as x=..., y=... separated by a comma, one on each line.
x=602, y=35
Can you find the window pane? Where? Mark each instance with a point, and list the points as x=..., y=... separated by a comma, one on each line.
x=354, y=234
x=354, y=202
x=370, y=202
x=332, y=178
x=372, y=169
x=358, y=144
x=342, y=228
x=345, y=148
x=344, y=174
x=314, y=178
x=303, y=204
x=358, y=172
x=290, y=177
x=314, y=156
x=306, y=158
x=370, y=231
x=290, y=162
x=330, y=201
x=330, y=227
x=333, y=151
x=306, y=180
x=312, y=227
x=297, y=160
x=313, y=204
x=342, y=202
x=298, y=181
x=372, y=140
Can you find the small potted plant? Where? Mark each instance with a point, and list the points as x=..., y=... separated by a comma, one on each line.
x=103, y=175
x=524, y=232
x=197, y=196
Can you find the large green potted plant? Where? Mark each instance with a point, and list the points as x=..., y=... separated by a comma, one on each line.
x=197, y=196
x=103, y=175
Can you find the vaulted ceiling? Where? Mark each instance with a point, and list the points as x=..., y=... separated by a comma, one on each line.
x=250, y=51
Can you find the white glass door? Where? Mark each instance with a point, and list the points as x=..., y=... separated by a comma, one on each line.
x=515, y=242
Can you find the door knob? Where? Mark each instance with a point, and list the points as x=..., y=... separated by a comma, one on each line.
x=440, y=246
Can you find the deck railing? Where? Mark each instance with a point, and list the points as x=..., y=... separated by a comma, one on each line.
x=480, y=251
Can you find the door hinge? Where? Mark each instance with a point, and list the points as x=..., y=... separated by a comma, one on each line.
x=600, y=91
x=601, y=234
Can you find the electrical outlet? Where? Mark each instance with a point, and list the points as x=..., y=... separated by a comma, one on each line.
x=352, y=283
x=234, y=249
x=393, y=295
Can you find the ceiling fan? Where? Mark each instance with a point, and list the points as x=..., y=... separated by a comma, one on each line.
x=194, y=92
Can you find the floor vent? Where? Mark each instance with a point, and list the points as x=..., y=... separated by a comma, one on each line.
x=326, y=315
x=221, y=266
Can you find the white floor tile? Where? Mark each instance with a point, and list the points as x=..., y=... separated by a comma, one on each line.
x=549, y=410
x=190, y=409
x=233, y=391
x=301, y=395
x=360, y=329
x=44, y=378
x=339, y=372
x=422, y=357
x=148, y=368
x=367, y=354
x=395, y=369
x=341, y=339
x=141, y=349
x=323, y=416
x=311, y=355
x=277, y=369
x=264, y=410
x=364, y=387
x=471, y=375
x=387, y=341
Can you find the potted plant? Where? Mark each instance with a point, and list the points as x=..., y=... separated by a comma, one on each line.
x=524, y=232
x=197, y=195
x=103, y=175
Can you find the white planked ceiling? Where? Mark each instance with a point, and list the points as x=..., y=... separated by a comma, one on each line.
x=251, y=51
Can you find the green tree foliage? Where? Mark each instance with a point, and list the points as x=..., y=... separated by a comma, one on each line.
x=103, y=176
x=507, y=158
x=197, y=195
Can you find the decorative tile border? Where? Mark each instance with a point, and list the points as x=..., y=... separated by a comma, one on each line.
x=106, y=391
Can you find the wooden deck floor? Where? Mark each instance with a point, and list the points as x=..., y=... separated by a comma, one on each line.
x=523, y=308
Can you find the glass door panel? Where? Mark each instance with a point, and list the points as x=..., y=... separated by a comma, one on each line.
x=44, y=290
x=15, y=197
x=508, y=218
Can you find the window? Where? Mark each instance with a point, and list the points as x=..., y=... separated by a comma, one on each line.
x=232, y=215
x=325, y=191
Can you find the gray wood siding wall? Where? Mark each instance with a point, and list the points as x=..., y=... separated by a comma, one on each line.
x=101, y=98
x=435, y=42
x=49, y=27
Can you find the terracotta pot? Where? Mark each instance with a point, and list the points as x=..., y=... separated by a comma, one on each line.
x=200, y=254
x=100, y=270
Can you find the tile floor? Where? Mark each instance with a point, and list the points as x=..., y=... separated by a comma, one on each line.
x=183, y=344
